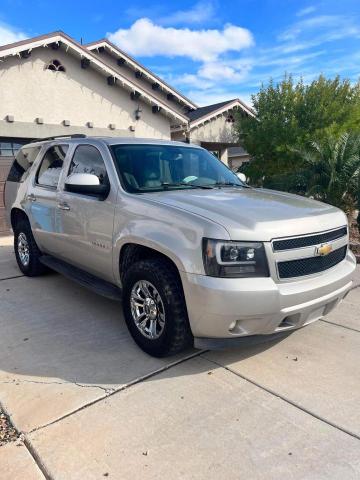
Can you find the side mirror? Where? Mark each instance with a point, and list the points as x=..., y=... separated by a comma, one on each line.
x=241, y=176
x=87, y=184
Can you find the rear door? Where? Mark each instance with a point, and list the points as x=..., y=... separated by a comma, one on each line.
x=42, y=198
x=86, y=221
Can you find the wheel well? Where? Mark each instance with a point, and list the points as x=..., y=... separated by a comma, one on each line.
x=16, y=216
x=132, y=252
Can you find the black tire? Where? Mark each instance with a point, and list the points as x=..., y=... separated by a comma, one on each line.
x=176, y=334
x=33, y=268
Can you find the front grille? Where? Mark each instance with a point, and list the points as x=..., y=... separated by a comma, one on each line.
x=300, y=242
x=308, y=266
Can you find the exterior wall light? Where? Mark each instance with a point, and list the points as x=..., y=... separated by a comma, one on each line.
x=138, y=112
x=10, y=118
x=132, y=128
x=155, y=109
x=39, y=120
x=66, y=123
x=112, y=126
x=90, y=124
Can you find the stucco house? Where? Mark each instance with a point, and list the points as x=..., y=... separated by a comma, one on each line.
x=52, y=85
x=212, y=127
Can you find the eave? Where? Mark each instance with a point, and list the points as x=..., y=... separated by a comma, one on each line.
x=105, y=43
x=28, y=45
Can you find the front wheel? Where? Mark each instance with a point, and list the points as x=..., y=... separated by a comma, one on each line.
x=154, y=308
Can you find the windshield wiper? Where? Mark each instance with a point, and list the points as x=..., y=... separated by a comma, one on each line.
x=184, y=184
x=229, y=184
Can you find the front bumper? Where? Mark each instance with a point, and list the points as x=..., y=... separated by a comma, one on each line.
x=230, y=308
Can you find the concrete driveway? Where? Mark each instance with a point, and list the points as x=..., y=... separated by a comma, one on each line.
x=91, y=405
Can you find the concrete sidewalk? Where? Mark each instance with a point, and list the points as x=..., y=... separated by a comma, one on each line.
x=91, y=405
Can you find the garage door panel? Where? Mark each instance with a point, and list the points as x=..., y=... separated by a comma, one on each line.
x=3, y=225
x=5, y=164
x=2, y=185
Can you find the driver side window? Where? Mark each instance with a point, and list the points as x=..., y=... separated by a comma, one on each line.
x=88, y=159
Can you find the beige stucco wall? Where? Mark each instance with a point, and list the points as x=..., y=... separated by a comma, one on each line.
x=143, y=83
x=28, y=90
x=215, y=130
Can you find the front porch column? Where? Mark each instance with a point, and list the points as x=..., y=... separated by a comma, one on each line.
x=224, y=156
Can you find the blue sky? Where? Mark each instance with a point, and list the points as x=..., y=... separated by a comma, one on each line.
x=211, y=50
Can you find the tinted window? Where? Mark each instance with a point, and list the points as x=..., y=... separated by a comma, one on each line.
x=22, y=163
x=88, y=159
x=51, y=166
x=159, y=167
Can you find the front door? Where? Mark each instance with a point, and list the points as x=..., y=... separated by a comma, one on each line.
x=86, y=221
x=42, y=198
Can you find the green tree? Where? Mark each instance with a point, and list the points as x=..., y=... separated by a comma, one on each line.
x=331, y=170
x=288, y=116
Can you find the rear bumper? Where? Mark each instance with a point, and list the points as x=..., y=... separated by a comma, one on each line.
x=222, y=308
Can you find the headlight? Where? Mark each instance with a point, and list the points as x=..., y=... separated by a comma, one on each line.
x=234, y=259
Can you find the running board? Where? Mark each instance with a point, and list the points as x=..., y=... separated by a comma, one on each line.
x=85, y=279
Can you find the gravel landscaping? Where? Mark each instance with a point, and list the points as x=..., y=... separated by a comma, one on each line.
x=7, y=432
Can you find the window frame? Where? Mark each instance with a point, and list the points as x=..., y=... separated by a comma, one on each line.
x=50, y=187
x=73, y=152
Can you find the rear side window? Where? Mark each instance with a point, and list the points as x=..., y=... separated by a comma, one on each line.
x=88, y=159
x=51, y=166
x=22, y=164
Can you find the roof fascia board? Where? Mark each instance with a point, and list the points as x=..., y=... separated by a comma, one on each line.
x=83, y=52
x=138, y=66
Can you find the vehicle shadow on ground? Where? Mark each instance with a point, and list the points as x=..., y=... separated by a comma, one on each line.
x=51, y=327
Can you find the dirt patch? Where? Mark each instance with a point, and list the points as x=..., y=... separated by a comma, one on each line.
x=8, y=433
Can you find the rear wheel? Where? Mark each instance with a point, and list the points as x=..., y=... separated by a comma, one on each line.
x=154, y=308
x=27, y=252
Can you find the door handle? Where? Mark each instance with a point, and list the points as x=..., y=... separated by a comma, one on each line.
x=31, y=197
x=63, y=206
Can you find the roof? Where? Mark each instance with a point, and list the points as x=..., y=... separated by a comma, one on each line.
x=205, y=113
x=83, y=52
x=104, y=42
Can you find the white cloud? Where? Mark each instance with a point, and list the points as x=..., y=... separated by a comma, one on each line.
x=201, y=12
x=332, y=27
x=306, y=11
x=10, y=34
x=144, y=38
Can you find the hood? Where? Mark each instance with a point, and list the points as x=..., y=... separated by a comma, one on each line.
x=255, y=214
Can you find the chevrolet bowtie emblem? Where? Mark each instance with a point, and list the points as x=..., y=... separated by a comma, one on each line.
x=323, y=250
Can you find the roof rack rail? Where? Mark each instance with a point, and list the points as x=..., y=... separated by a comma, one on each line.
x=74, y=135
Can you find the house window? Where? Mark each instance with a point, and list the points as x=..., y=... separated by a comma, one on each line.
x=55, y=66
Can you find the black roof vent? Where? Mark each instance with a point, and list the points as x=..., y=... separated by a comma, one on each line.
x=121, y=61
x=111, y=81
x=25, y=54
x=138, y=74
x=170, y=96
x=55, y=45
x=155, y=86
x=85, y=63
x=135, y=95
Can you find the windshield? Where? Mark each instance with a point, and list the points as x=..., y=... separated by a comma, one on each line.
x=149, y=168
